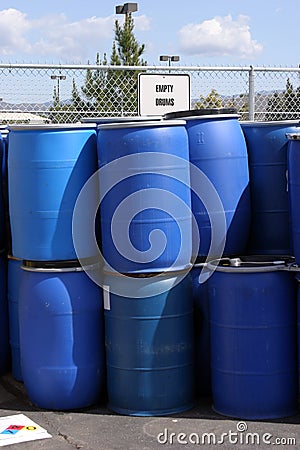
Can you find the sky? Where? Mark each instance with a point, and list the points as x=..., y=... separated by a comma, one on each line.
x=200, y=32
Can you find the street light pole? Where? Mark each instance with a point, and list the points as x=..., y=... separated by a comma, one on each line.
x=58, y=78
x=126, y=8
x=169, y=58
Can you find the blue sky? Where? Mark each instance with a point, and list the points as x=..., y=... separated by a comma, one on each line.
x=210, y=32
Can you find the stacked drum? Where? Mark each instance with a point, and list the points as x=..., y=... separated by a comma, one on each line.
x=219, y=181
x=5, y=356
x=156, y=257
x=146, y=224
x=294, y=197
x=221, y=208
x=267, y=146
x=60, y=311
x=252, y=299
x=253, y=338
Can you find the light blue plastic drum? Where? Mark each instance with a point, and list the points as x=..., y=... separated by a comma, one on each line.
x=253, y=339
x=267, y=149
x=217, y=147
x=5, y=357
x=202, y=332
x=61, y=337
x=14, y=273
x=293, y=158
x=149, y=344
x=145, y=208
x=48, y=165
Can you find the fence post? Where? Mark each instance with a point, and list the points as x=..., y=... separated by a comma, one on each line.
x=251, y=94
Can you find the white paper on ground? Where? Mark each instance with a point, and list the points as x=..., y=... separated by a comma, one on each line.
x=19, y=428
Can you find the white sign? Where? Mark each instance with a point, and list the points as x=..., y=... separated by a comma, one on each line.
x=19, y=428
x=162, y=93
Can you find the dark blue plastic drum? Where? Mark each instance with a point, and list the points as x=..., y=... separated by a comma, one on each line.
x=3, y=190
x=48, y=166
x=5, y=357
x=14, y=273
x=298, y=321
x=267, y=149
x=294, y=190
x=146, y=202
x=5, y=136
x=217, y=147
x=202, y=332
x=61, y=337
x=149, y=344
x=253, y=339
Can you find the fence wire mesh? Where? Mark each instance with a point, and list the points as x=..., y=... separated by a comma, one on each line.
x=68, y=94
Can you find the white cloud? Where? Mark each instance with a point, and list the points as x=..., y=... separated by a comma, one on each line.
x=13, y=28
x=54, y=36
x=220, y=36
x=71, y=40
x=141, y=23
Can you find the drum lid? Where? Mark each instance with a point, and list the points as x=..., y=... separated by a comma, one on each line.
x=200, y=112
x=293, y=136
x=248, y=264
x=142, y=124
x=52, y=127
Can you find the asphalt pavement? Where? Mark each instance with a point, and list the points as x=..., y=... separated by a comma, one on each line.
x=98, y=428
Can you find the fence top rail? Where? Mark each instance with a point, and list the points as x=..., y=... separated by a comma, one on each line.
x=145, y=68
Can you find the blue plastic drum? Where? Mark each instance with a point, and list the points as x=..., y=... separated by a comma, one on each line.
x=217, y=147
x=145, y=207
x=267, y=149
x=61, y=337
x=294, y=190
x=48, y=166
x=298, y=307
x=3, y=179
x=5, y=136
x=149, y=344
x=5, y=357
x=253, y=339
x=202, y=332
x=14, y=273
x=120, y=119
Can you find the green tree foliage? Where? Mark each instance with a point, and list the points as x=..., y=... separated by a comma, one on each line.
x=112, y=92
x=212, y=100
x=120, y=94
x=284, y=105
x=68, y=112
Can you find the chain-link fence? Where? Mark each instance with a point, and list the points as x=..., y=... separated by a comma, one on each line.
x=32, y=93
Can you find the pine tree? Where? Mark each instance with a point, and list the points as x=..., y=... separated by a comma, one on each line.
x=114, y=92
x=284, y=106
x=121, y=93
x=274, y=108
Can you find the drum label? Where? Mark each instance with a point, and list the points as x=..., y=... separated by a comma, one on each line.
x=106, y=297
